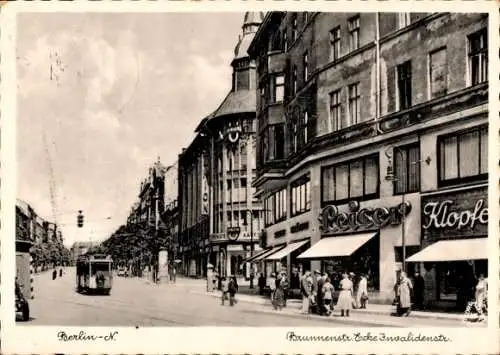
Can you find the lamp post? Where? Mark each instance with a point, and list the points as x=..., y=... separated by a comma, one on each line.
x=391, y=177
x=251, y=246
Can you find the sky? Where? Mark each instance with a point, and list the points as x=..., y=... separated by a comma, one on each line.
x=101, y=96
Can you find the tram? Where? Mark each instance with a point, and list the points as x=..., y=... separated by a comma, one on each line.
x=94, y=274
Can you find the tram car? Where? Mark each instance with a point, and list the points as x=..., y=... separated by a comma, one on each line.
x=94, y=274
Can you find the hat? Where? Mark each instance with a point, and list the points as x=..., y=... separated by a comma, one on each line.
x=317, y=272
x=351, y=274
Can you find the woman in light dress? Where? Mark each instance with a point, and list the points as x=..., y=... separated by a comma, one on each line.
x=362, y=293
x=404, y=295
x=345, y=300
x=481, y=288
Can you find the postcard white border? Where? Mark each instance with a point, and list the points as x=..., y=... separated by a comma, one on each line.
x=37, y=339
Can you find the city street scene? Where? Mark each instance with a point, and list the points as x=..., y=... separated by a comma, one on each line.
x=252, y=169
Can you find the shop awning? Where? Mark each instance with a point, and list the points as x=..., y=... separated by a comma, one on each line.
x=269, y=252
x=453, y=250
x=256, y=255
x=286, y=250
x=336, y=246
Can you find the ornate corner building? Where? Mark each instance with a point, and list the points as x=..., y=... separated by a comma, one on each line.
x=221, y=220
x=372, y=146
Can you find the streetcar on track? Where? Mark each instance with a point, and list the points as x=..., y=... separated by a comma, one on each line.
x=94, y=274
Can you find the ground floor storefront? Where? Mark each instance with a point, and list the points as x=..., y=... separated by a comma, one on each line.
x=230, y=259
x=454, y=253
x=360, y=238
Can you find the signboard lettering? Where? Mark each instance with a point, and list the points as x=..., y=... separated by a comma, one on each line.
x=440, y=216
x=299, y=227
x=361, y=219
x=455, y=214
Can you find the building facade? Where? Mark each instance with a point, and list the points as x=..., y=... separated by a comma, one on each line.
x=145, y=229
x=361, y=118
x=39, y=245
x=170, y=217
x=194, y=173
x=220, y=168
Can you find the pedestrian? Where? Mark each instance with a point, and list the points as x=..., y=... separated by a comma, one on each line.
x=262, y=283
x=319, y=292
x=278, y=299
x=232, y=289
x=404, y=295
x=328, y=296
x=345, y=300
x=362, y=292
x=54, y=274
x=60, y=272
x=285, y=285
x=306, y=291
x=481, y=289
x=225, y=290
x=272, y=285
x=418, y=291
x=352, y=277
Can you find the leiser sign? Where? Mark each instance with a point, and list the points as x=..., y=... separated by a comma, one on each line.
x=455, y=214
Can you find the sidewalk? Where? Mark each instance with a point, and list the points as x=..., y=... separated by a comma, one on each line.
x=373, y=309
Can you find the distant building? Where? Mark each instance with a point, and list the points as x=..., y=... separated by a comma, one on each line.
x=78, y=249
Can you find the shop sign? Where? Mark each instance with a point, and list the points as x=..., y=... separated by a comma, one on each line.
x=361, y=219
x=299, y=227
x=233, y=233
x=456, y=214
x=280, y=234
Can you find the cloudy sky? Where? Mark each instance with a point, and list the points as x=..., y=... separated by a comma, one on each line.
x=110, y=93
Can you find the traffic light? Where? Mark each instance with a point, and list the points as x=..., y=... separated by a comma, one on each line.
x=79, y=219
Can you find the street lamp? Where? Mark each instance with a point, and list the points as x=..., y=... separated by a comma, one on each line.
x=251, y=245
x=391, y=177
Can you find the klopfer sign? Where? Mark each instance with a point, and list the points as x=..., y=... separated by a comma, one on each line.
x=439, y=215
x=361, y=219
x=455, y=214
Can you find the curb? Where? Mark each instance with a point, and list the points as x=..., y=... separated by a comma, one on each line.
x=347, y=320
x=414, y=314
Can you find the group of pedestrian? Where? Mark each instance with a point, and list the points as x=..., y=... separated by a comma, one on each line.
x=229, y=289
x=54, y=273
x=318, y=293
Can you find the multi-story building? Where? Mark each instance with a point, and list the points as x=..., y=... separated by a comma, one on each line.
x=224, y=169
x=24, y=221
x=364, y=120
x=144, y=221
x=78, y=249
x=41, y=239
x=193, y=206
x=170, y=214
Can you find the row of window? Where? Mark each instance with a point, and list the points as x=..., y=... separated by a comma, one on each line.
x=275, y=206
x=437, y=76
x=353, y=25
x=462, y=157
